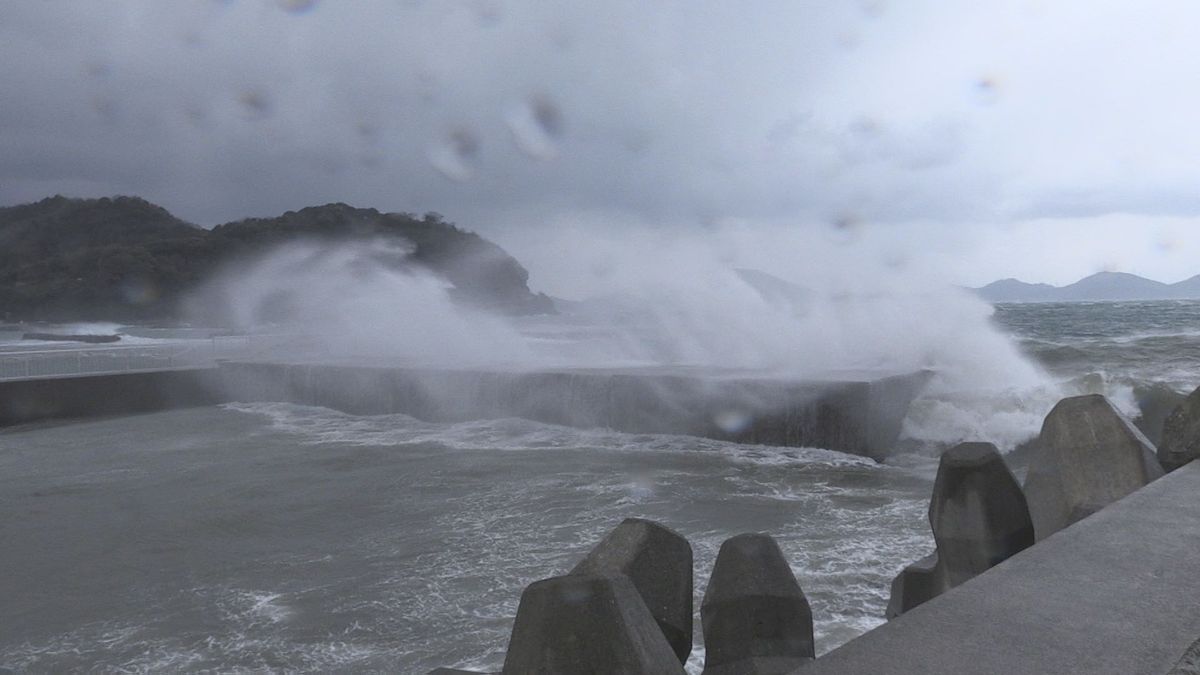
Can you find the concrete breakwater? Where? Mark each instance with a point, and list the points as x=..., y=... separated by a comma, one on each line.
x=1088, y=455
x=859, y=413
x=627, y=608
x=1108, y=587
x=33, y=400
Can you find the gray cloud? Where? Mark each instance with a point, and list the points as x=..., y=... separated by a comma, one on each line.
x=671, y=112
x=675, y=109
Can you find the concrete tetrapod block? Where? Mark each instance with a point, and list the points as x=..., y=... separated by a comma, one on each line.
x=918, y=583
x=586, y=624
x=978, y=512
x=658, y=560
x=1181, y=434
x=1089, y=455
x=756, y=619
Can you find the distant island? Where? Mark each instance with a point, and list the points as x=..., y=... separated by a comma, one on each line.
x=125, y=259
x=1100, y=287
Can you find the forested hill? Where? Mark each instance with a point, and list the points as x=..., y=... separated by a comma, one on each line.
x=124, y=258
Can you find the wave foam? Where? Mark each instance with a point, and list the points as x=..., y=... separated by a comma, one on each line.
x=318, y=425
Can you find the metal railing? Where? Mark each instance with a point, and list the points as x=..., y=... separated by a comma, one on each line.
x=75, y=361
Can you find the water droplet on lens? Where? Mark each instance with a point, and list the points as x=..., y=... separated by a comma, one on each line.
x=872, y=8
x=455, y=155
x=536, y=125
x=987, y=90
x=256, y=103
x=845, y=228
x=367, y=132
x=641, y=488
x=487, y=12
x=196, y=115
x=577, y=595
x=733, y=421
x=866, y=127
x=98, y=70
x=297, y=6
x=1166, y=243
x=138, y=291
x=106, y=108
x=895, y=260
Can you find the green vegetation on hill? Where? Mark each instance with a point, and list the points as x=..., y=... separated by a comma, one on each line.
x=127, y=259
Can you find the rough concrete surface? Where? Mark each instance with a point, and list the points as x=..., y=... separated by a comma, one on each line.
x=978, y=512
x=1115, y=594
x=916, y=584
x=1181, y=434
x=658, y=560
x=586, y=624
x=1089, y=455
x=755, y=616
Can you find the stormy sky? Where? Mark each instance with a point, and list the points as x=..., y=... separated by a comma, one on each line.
x=1043, y=140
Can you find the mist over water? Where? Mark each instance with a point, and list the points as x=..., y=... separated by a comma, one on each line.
x=357, y=299
x=645, y=298
x=272, y=537
x=277, y=537
x=760, y=192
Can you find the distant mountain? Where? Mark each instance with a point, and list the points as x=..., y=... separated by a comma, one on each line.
x=1103, y=286
x=124, y=258
x=1189, y=287
x=1013, y=290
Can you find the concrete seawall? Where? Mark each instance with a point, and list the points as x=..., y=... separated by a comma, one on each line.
x=1118, y=592
x=853, y=412
x=34, y=400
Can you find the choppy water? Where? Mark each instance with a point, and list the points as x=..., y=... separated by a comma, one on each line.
x=274, y=537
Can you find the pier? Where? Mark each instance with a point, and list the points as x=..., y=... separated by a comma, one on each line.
x=1115, y=593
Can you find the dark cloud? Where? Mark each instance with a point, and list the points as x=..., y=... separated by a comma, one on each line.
x=673, y=111
x=226, y=108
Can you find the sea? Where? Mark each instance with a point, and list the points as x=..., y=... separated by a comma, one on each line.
x=270, y=537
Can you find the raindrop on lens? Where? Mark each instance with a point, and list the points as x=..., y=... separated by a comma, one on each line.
x=845, y=228
x=536, y=125
x=255, y=103
x=455, y=155
x=732, y=421
x=987, y=90
x=487, y=12
x=642, y=488
x=297, y=6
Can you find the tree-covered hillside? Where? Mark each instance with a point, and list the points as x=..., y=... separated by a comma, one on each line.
x=127, y=259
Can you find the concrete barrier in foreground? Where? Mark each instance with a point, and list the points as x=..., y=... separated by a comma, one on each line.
x=756, y=618
x=916, y=584
x=1181, y=434
x=1113, y=594
x=1089, y=455
x=979, y=518
x=978, y=513
x=587, y=624
x=658, y=560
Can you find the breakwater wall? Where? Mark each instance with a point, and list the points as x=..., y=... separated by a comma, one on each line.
x=35, y=400
x=859, y=413
x=1091, y=567
x=1117, y=592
